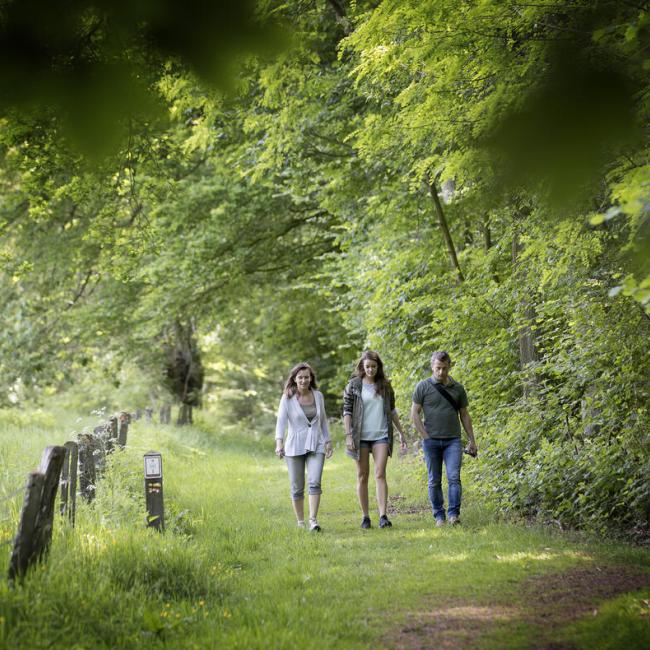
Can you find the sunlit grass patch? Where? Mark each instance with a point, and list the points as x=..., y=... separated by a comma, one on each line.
x=163, y=567
x=620, y=623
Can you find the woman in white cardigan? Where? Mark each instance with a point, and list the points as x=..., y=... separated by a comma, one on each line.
x=308, y=441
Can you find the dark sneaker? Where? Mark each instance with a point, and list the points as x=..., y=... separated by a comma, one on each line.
x=384, y=522
x=365, y=522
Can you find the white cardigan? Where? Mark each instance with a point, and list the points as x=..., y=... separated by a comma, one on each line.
x=303, y=437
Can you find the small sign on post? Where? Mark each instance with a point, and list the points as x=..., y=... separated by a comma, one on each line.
x=153, y=490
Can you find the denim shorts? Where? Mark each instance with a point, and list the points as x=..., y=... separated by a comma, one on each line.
x=370, y=443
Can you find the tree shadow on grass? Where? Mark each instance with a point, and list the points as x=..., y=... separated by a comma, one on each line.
x=547, y=604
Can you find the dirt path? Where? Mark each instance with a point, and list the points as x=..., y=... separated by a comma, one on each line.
x=547, y=603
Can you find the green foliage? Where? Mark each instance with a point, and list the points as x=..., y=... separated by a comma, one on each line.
x=296, y=218
x=89, y=70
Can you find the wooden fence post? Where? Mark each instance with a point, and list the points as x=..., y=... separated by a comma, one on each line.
x=64, y=482
x=69, y=481
x=50, y=467
x=101, y=445
x=166, y=414
x=23, y=551
x=87, y=471
x=113, y=426
x=110, y=434
x=37, y=516
x=125, y=418
x=153, y=489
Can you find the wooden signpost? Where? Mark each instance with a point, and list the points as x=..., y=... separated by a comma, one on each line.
x=153, y=490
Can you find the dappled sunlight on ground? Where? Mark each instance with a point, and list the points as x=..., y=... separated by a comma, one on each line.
x=541, y=556
x=444, y=557
x=474, y=613
x=518, y=557
x=422, y=533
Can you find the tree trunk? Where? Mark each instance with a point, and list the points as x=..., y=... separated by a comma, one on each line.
x=184, y=370
x=444, y=227
x=341, y=18
x=526, y=337
x=184, y=415
x=487, y=232
x=487, y=242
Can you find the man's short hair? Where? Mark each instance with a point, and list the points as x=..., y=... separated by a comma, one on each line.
x=441, y=356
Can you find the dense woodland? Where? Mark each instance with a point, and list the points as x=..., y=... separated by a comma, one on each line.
x=196, y=199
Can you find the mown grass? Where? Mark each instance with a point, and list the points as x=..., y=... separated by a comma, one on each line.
x=233, y=571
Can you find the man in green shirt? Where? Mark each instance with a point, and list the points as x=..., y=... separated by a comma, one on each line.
x=444, y=404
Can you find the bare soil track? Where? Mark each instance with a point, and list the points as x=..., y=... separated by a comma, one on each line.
x=547, y=603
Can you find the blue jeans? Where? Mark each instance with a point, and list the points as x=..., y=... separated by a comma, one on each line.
x=437, y=450
x=371, y=443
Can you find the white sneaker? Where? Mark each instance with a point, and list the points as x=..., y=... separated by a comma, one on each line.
x=313, y=525
x=301, y=524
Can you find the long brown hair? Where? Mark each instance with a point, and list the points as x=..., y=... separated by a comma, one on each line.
x=290, y=387
x=381, y=381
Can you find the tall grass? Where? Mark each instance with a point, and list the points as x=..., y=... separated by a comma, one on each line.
x=233, y=570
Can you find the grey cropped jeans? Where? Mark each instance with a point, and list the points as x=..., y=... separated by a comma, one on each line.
x=314, y=463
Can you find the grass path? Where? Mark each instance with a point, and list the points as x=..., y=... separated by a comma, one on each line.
x=233, y=571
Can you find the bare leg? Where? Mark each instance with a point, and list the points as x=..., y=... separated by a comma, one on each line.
x=314, y=502
x=363, y=469
x=299, y=509
x=380, y=454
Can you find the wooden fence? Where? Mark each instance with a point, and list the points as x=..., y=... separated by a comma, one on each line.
x=62, y=468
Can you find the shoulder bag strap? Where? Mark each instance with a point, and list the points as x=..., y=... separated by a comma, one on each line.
x=446, y=395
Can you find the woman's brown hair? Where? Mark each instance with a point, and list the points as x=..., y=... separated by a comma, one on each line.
x=381, y=381
x=290, y=387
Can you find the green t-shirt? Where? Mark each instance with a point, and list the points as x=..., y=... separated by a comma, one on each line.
x=440, y=417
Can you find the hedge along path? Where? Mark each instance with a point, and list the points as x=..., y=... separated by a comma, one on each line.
x=483, y=584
